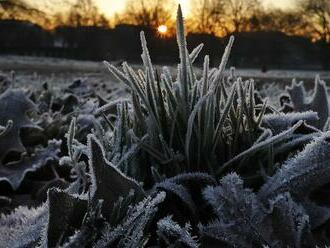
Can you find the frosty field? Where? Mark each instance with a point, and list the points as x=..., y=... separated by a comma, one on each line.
x=33, y=71
x=114, y=155
x=56, y=66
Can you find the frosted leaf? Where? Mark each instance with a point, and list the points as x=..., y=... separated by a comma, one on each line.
x=193, y=178
x=290, y=221
x=14, y=105
x=308, y=170
x=131, y=232
x=65, y=213
x=89, y=230
x=194, y=54
x=297, y=94
x=318, y=102
x=146, y=58
x=184, y=185
x=222, y=66
x=183, y=67
x=220, y=231
x=180, y=191
x=109, y=107
x=23, y=227
x=191, y=121
x=169, y=230
x=262, y=145
x=15, y=172
x=70, y=137
x=108, y=183
x=281, y=122
x=239, y=212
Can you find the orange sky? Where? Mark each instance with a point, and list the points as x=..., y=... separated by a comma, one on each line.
x=109, y=7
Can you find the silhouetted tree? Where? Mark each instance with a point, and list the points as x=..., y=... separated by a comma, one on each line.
x=208, y=16
x=317, y=14
x=240, y=12
x=22, y=10
x=85, y=13
x=224, y=16
x=151, y=13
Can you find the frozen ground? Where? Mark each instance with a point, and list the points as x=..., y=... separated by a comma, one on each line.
x=53, y=65
x=46, y=65
x=33, y=71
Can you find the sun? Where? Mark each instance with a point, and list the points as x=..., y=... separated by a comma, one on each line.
x=162, y=29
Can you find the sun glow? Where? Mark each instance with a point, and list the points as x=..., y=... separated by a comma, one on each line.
x=162, y=29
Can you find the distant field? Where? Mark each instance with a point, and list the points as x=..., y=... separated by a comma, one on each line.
x=32, y=70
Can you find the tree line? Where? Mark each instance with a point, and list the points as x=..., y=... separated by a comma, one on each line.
x=208, y=18
x=310, y=18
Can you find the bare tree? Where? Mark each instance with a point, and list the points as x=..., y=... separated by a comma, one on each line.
x=20, y=10
x=224, y=16
x=150, y=13
x=85, y=13
x=208, y=16
x=317, y=15
x=239, y=13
